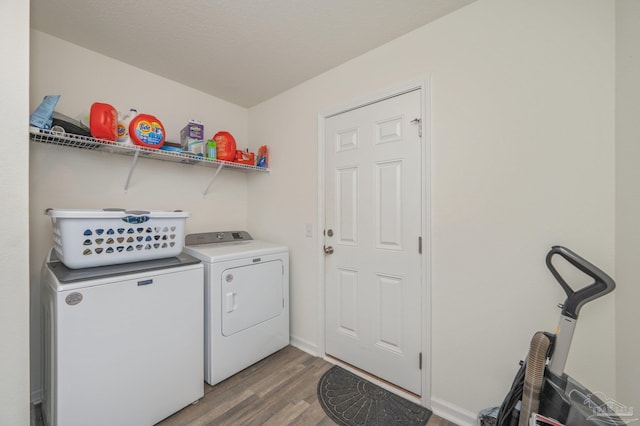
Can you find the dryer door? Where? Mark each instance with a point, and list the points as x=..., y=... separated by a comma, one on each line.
x=251, y=294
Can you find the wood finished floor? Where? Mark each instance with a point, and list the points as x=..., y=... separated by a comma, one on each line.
x=279, y=391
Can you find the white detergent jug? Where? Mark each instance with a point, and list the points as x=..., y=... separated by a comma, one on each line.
x=123, y=126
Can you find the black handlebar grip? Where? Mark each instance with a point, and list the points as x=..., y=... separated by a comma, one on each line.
x=602, y=284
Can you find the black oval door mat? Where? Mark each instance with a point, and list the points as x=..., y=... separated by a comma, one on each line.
x=350, y=400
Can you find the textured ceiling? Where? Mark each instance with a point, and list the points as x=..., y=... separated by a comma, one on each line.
x=243, y=51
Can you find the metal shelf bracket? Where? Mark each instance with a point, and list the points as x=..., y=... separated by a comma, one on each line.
x=215, y=175
x=133, y=166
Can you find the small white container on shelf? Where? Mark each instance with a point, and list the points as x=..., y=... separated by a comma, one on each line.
x=123, y=127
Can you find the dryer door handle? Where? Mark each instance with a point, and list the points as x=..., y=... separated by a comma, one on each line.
x=231, y=301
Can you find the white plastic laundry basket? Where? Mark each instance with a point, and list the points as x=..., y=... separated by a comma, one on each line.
x=88, y=238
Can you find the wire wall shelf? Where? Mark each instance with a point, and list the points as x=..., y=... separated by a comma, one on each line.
x=85, y=142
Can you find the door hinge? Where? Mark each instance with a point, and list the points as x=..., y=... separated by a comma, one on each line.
x=419, y=245
x=420, y=361
x=418, y=121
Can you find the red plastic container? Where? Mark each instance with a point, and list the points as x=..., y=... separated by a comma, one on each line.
x=243, y=157
x=103, y=121
x=146, y=130
x=225, y=146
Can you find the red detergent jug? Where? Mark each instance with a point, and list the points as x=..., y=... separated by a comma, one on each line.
x=225, y=146
x=103, y=121
x=146, y=130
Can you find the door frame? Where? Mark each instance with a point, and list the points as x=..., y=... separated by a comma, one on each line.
x=423, y=85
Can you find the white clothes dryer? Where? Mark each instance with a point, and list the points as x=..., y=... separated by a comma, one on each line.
x=246, y=284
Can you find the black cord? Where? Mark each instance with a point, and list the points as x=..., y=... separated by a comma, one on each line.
x=513, y=396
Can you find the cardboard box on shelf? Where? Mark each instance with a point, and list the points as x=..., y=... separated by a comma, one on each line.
x=192, y=135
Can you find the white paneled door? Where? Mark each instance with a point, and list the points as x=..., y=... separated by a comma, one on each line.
x=372, y=239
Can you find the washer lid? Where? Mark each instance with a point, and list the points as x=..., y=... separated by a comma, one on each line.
x=218, y=252
x=67, y=275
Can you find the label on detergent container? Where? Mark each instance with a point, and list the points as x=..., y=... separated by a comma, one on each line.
x=122, y=130
x=146, y=130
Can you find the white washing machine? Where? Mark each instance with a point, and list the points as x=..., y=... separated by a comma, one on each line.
x=246, y=300
x=123, y=343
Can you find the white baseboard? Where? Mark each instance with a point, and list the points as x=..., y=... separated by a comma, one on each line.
x=453, y=413
x=304, y=345
x=36, y=396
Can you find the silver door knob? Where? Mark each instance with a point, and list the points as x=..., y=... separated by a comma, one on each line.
x=328, y=250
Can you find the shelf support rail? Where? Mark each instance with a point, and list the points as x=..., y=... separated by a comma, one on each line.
x=215, y=175
x=133, y=166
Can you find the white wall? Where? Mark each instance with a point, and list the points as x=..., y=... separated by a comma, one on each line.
x=627, y=202
x=67, y=178
x=522, y=158
x=14, y=191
